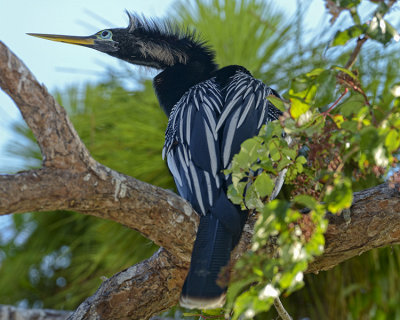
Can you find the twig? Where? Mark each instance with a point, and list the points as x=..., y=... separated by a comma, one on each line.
x=336, y=102
x=355, y=53
x=281, y=310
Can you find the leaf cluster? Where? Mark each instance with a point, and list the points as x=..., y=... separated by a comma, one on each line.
x=377, y=28
x=328, y=149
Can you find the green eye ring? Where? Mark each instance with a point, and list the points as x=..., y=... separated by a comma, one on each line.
x=105, y=34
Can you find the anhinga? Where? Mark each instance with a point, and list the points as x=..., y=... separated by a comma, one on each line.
x=211, y=112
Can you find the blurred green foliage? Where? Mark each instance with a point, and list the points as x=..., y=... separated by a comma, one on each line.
x=123, y=130
x=57, y=259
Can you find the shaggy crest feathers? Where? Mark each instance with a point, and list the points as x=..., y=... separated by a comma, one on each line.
x=160, y=28
x=174, y=44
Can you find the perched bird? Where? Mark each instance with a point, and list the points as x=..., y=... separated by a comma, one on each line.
x=211, y=112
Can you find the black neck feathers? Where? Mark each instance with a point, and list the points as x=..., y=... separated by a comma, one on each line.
x=174, y=81
x=183, y=57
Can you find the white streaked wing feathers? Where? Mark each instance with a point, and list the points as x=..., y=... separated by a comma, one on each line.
x=229, y=137
x=222, y=118
x=201, y=101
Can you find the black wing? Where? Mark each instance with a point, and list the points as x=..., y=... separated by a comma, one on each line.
x=191, y=145
x=246, y=109
x=205, y=130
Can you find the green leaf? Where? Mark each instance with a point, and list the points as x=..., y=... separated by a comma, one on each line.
x=235, y=194
x=314, y=73
x=340, y=196
x=249, y=147
x=352, y=105
x=272, y=130
x=291, y=153
x=301, y=98
x=252, y=198
x=392, y=141
x=346, y=71
x=298, y=107
x=347, y=4
x=247, y=154
x=342, y=37
x=264, y=185
x=244, y=304
x=274, y=151
x=350, y=126
x=279, y=103
x=283, y=163
x=338, y=119
x=300, y=161
x=305, y=200
x=327, y=89
x=369, y=138
x=236, y=287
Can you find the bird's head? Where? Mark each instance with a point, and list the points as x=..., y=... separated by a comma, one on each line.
x=144, y=42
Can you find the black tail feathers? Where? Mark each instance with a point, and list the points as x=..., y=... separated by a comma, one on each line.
x=219, y=232
x=211, y=252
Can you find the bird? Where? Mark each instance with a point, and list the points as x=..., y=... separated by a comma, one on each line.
x=211, y=111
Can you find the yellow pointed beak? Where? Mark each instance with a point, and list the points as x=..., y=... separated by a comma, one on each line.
x=83, y=41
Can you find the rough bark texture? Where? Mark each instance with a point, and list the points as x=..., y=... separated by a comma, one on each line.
x=158, y=214
x=374, y=222
x=71, y=180
x=148, y=285
x=13, y=313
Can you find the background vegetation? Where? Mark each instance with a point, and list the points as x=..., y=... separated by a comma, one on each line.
x=56, y=260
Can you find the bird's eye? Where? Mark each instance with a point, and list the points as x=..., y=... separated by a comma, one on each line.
x=105, y=34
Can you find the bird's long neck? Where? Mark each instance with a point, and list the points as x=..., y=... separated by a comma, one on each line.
x=198, y=65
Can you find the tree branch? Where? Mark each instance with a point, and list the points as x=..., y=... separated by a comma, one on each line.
x=57, y=139
x=284, y=315
x=374, y=222
x=353, y=57
x=71, y=180
x=138, y=292
x=158, y=214
x=13, y=313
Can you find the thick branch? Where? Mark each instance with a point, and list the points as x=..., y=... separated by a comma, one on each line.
x=158, y=214
x=137, y=292
x=374, y=222
x=13, y=313
x=57, y=139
